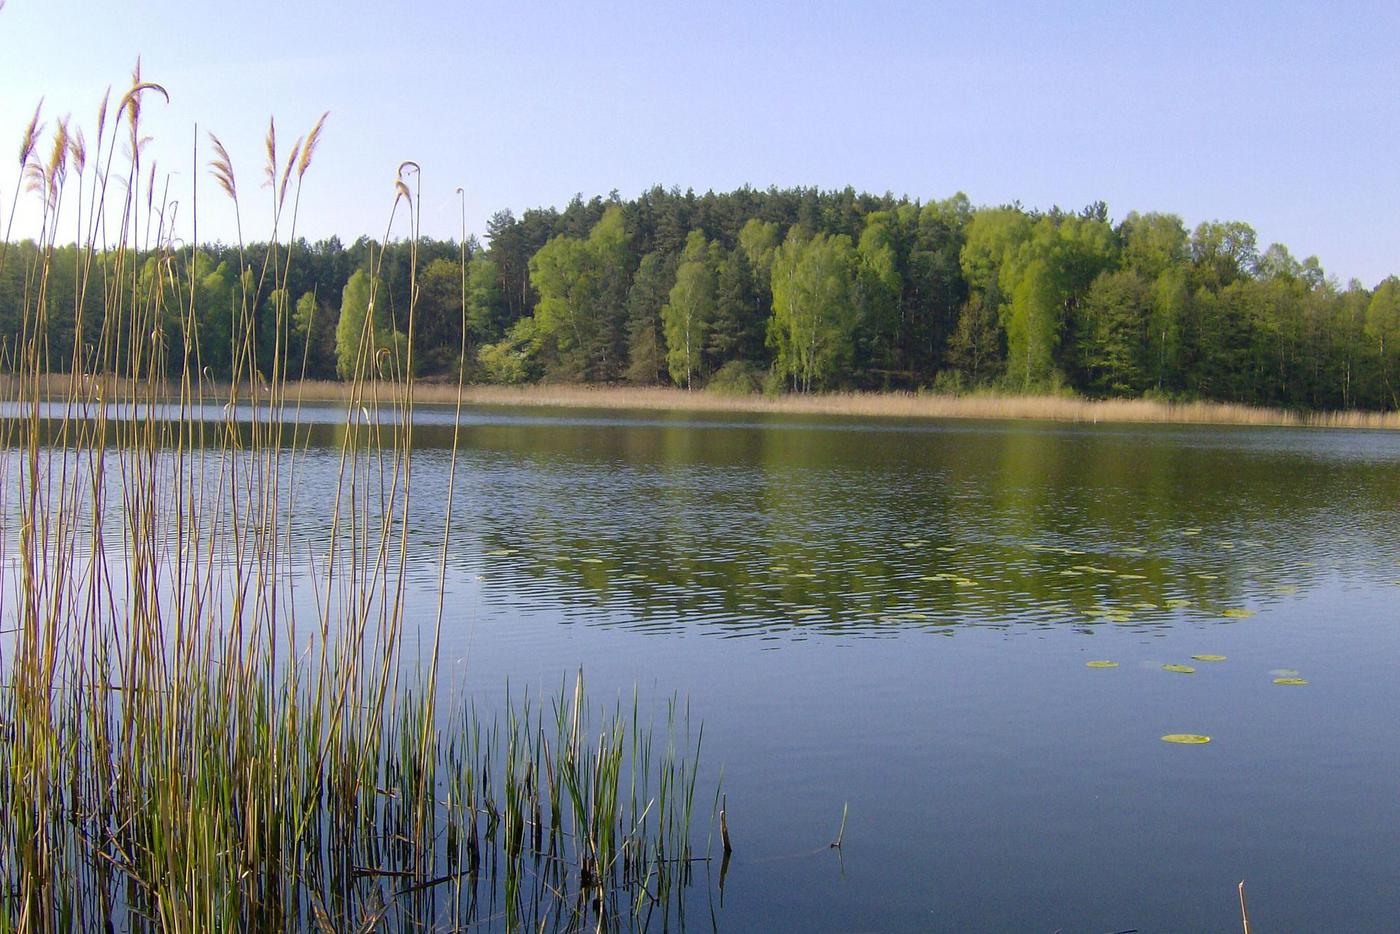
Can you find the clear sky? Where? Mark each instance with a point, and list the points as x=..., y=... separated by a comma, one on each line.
x=1285, y=115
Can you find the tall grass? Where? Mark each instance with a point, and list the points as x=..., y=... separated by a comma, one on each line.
x=989, y=406
x=208, y=723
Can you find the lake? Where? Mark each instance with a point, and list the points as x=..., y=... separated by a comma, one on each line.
x=895, y=619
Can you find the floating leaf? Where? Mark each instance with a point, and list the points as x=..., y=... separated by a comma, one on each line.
x=1102, y=663
x=590, y=560
x=1236, y=612
x=1176, y=604
x=1180, y=669
x=1290, y=681
x=1186, y=739
x=1209, y=658
x=500, y=553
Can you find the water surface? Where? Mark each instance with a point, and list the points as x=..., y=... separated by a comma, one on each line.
x=895, y=617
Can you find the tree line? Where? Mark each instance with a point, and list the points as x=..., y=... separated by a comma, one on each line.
x=784, y=289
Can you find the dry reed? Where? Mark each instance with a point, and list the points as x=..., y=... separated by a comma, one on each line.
x=184, y=744
x=874, y=405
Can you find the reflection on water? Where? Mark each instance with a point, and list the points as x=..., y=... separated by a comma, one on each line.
x=898, y=615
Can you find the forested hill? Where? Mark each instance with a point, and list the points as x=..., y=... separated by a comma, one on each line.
x=807, y=290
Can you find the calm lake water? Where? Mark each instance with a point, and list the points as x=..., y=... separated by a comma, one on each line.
x=896, y=617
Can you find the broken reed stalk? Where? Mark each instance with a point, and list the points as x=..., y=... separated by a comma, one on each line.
x=724, y=826
x=1244, y=912
x=207, y=719
x=841, y=833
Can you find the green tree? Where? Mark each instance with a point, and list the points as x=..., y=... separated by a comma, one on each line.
x=362, y=329
x=878, y=286
x=441, y=308
x=1032, y=322
x=741, y=315
x=689, y=311
x=217, y=298
x=976, y=348
x=1383, y=327
x=581, y=313
x=813, y=313
x=486, y=306
x=646, y=343
x=1113, y=344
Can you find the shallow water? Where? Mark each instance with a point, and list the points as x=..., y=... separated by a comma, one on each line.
x=896, y=616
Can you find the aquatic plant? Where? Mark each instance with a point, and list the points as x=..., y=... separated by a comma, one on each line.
x=209, y=723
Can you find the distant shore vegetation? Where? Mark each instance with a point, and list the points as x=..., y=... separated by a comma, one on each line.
x=789, y=291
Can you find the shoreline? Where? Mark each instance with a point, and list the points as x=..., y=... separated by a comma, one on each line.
x=904, y=405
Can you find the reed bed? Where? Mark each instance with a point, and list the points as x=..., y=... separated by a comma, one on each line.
x=195, y=734
x=913, y=405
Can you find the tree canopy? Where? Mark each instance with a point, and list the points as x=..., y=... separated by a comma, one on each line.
x=817, y=289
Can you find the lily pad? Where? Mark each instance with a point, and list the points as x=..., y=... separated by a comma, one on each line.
x=1237, y=612
x=1186, y=739
x=1209, y=658
x=1290, y=681
x=1101, y=663
x=1180, y=669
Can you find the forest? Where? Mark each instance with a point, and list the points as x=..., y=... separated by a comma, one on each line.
x=795, y=290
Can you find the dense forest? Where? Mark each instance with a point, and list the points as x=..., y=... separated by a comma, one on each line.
x=797, y=290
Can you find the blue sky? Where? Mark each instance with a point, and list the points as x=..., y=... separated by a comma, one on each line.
x=1282, y=115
